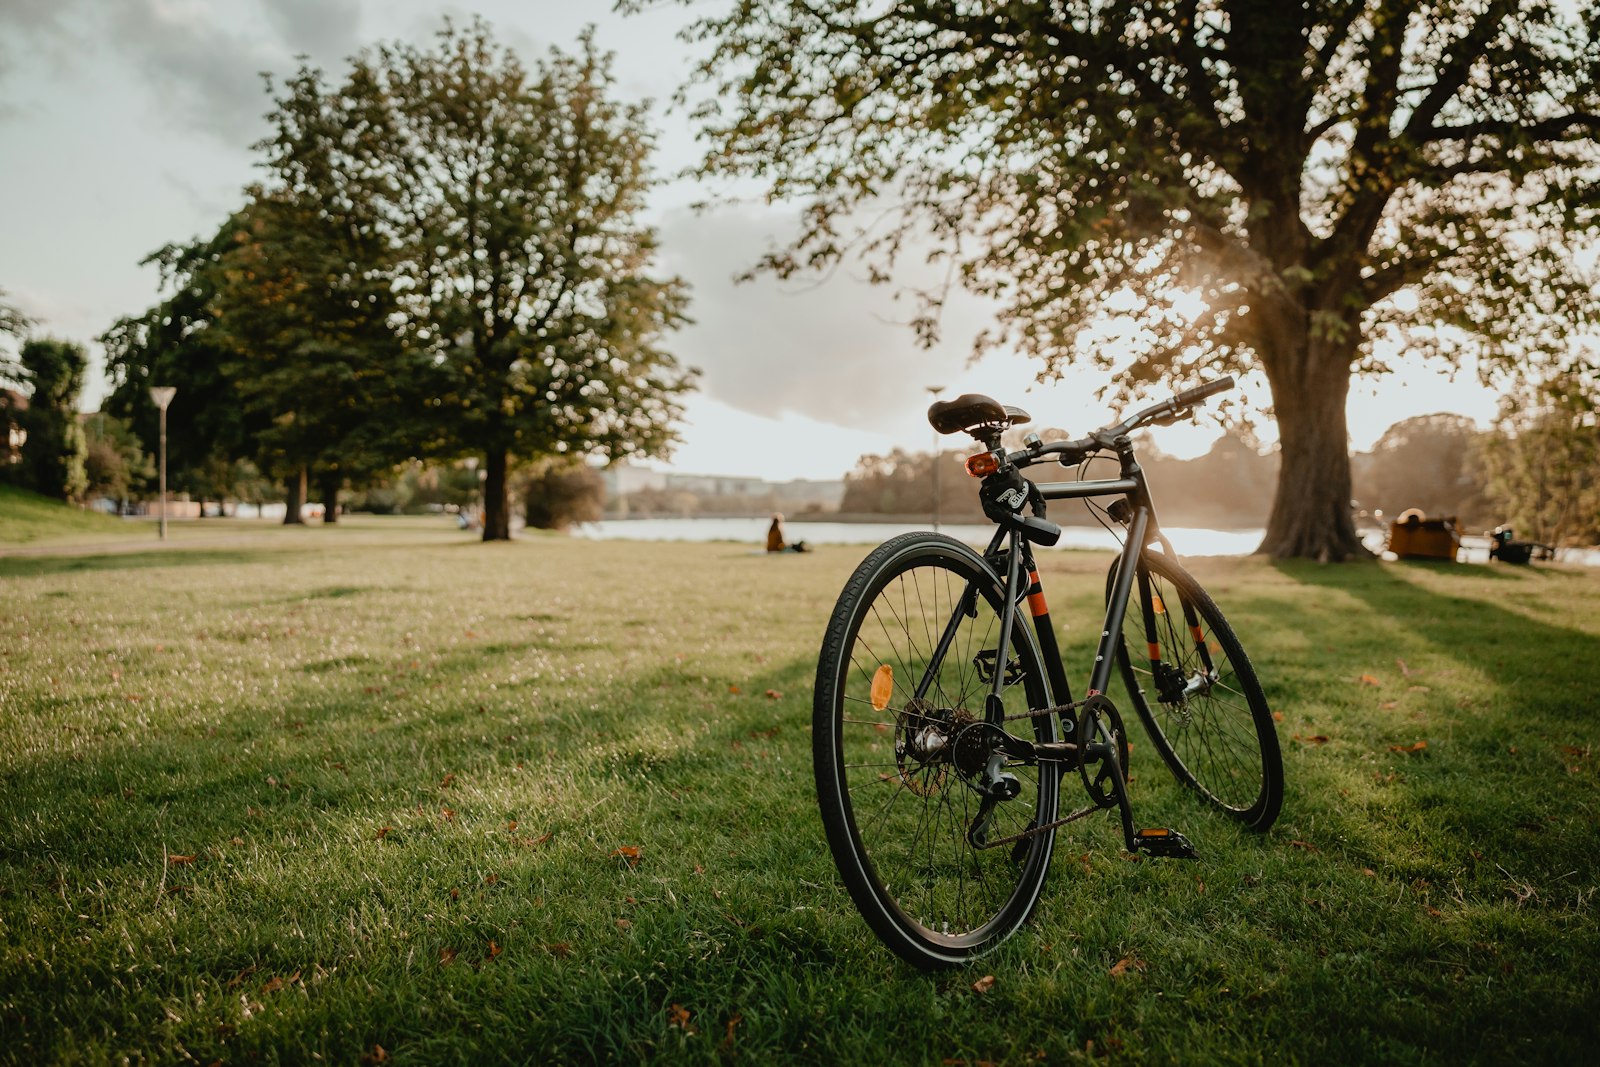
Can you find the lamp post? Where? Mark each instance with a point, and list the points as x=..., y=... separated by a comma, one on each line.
x=162, y=395
x=934, y=391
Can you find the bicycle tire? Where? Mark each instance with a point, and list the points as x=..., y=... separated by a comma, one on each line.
x=897, y=823
x=1219, y=741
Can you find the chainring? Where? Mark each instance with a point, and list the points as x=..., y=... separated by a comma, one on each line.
x=1096, y=774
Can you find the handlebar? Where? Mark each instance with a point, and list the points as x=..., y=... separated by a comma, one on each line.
x=1104, y=439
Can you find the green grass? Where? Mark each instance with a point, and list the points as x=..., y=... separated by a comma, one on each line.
x=28, y=517
x=335, y=789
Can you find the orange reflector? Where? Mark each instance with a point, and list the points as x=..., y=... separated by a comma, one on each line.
x=1155, y=650
x=882, y=687
x=1156, y=605
x=983, y=464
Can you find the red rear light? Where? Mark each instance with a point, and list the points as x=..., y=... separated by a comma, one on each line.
x=983, y=464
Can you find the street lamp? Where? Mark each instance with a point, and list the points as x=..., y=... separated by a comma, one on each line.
x=162, y=395
x=934, y=391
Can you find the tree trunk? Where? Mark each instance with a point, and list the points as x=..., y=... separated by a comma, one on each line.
x=496, y=497
x=1311, y=516
x=329, y=483
x=294, y=502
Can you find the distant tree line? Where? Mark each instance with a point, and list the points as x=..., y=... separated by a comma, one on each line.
x=1538, y=470
x=444, y=259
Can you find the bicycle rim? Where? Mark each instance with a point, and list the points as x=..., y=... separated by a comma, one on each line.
x=1217, y=737
x=896, y=769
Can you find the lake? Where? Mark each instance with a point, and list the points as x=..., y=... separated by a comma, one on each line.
x=1188, y=540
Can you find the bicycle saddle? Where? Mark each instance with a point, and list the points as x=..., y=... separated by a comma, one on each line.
x=972, y=410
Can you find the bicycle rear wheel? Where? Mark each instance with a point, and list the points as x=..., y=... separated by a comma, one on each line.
x=900, y=746
x=1197, y=694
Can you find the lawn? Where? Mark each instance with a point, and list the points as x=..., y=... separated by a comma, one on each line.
x=379, y=793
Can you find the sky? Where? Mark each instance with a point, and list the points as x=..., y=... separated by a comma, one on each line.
x=126, y=125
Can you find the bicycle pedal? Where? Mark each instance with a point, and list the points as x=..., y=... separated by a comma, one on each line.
x=1169, y=844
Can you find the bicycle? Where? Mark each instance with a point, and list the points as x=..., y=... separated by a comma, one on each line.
x=943, y=724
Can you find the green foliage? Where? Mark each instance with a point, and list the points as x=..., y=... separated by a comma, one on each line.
x=1543, y=461
x=556, y=495
x=1426, y=462
x=175, y=344
x=504, y=202
x=289, y=799
x=1238, y=184
x=53, y=453
x=115, y=465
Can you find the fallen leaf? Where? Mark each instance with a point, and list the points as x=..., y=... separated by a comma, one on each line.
x=179, y=861
x=511, y=825
x=447, y=956
x=447, y=814
x=494, y=950
x=678, y=1017
x=1418, y=747
x=1369, y=872
x=1125, y=964
x=272, y=985
x=733, y=1024
x=449, y=780
x=377, y=1055
x=559, y=949
x=1407, y=671
x=734, y=690
x=1277, y=716
x=1388, y=705
x=773, y=694
x=984, y=984
x=1304, y=845
x=383, y=832
x=1367, y=679
x=628, y=854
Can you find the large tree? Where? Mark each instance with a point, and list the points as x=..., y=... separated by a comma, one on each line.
x=525, y=272
x=53, y=453
x=1542, y=462
x=1252, y=182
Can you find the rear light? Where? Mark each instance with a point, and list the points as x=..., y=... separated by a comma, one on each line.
x=983, y=464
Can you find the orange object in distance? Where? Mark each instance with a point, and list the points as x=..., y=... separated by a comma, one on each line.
x=983, y=464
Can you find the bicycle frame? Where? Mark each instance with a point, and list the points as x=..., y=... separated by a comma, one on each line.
x=1143, y=530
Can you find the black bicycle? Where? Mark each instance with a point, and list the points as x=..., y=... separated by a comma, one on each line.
x=944, y=726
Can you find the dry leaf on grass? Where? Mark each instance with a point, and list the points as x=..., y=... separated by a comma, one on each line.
x=628, y=855
x=984, y=984
x=1418, y=747
x=1126, y=964
x=1367, y=679
x=678, y=1017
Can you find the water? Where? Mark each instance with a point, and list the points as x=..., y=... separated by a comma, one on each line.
x=1188, y=541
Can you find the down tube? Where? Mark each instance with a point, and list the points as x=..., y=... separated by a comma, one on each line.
x=1111, y=633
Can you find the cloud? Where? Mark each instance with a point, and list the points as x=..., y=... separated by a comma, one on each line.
x=837, y=351
x=327, y=29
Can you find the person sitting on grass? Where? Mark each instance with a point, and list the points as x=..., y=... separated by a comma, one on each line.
x=775, y=542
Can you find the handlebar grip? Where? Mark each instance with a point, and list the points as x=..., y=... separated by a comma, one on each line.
x=1200, y=392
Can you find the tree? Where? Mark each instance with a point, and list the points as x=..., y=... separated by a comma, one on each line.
x=1424, y=462
x=1543, y=460
x=53, y=453
x=1249, y=183
x=116, y=466
x=523, y=268
x=556, y=495
x=175, y=344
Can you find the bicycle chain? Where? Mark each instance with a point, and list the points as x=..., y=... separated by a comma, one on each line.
x=1059, y=709
x=1035, y=831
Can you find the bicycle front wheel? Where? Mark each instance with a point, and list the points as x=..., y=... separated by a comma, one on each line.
x=901, y=751
x=1197, y=694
